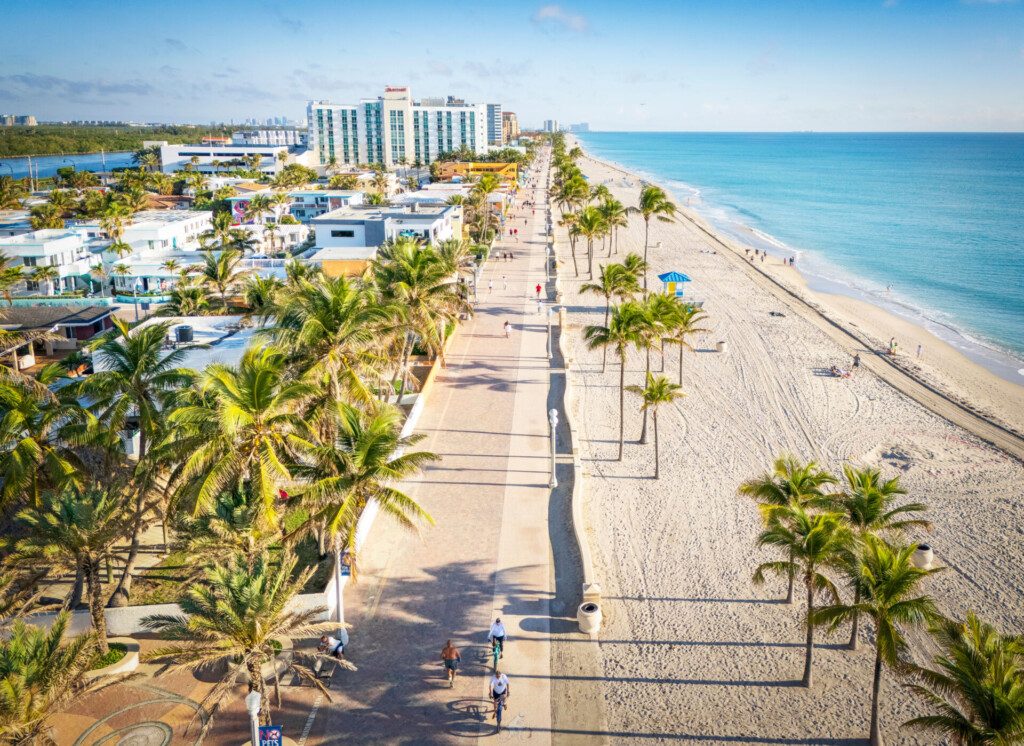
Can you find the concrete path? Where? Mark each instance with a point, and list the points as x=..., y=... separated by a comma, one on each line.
x=489, y=553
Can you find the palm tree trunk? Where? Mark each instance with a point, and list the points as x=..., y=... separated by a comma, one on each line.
x=657, y=464
x=121, y=595
x=590, y=258
x=257, y=684
x=604, y=350
x=405, y=369
x=876, y=686
x=572, y=247
x=661, y=355
x=789, y=595
x=74, y=597
x=647, y=372
x=809, y=659
x=622, y=402
x=647, y=228
x=856, y=619
x=398, y=372
x=99, y=619
x=680, y=363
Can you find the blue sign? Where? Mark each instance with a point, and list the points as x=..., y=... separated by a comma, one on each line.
x=270, y=735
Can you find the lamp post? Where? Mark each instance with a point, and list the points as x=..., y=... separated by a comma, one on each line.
x=553, y=421
x=551, y=312
x=252, y=703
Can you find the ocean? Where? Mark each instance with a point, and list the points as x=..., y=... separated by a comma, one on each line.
x=929, y=226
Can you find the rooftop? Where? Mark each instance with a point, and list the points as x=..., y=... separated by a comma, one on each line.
x=40, y=236
x=345, y=253
x=215, y=339
x=34, y=318
x=360, y=213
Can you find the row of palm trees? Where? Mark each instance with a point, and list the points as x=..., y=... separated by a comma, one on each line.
x=246, y=464
x=857, y=538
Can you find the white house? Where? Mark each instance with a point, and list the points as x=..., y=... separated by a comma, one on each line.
x=66, y=251
x=213, y=159
x=154, y=232
x=367, y=225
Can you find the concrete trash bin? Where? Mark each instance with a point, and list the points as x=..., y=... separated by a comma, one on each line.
x=589, y=617
x=721, y=346
x=922, y=557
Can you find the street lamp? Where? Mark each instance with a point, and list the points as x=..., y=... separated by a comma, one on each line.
x=553, y=421
x=252, y=703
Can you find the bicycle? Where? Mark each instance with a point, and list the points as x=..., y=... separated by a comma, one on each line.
x=499, y=705
x=496, y=653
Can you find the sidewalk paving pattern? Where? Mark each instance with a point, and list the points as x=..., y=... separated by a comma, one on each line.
x=487, y=556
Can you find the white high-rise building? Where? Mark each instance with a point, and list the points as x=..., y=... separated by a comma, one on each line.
x=494, y=133
x=394, y=129
x=551, y=125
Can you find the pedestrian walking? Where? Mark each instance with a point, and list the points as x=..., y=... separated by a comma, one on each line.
x=490, y=285
x=919, y=349
x=508, y=329
x=504, y=282
x=538, y=289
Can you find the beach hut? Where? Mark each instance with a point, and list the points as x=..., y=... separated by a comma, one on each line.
x=673, y=283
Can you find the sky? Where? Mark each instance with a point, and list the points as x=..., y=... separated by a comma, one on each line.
x=714, y=65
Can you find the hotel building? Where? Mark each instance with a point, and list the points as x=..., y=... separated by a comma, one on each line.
x=393, y=129
x=509, y=126
x=495, y=135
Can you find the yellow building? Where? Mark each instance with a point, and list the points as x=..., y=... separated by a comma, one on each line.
x=507, y=172
x=347, y=261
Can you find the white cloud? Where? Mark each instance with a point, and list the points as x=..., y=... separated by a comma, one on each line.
x=559, y=16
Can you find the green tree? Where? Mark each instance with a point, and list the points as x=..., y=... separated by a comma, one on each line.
x=975, y=690
x=222, y=273
x=888, y=585
x=624, y=330
x=46, y=276
x=788, y=483
x=185, y=299
x=657, y=392
x=11, y=275
x=590, y=224
x=654, y=203
x=239, y=615
x=615, y=282
x=11, y=193
x=684, y=325
x=815, y=542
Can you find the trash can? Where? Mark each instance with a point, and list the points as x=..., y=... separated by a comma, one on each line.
x=721, y=346
x=589, y=617
x=922, y=557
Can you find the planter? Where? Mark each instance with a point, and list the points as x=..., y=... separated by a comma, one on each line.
x=589, y=617
x=722, y=346
x=922, y=557
x=126, y=665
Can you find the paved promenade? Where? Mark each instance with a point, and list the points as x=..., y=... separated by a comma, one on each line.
x=488, y=554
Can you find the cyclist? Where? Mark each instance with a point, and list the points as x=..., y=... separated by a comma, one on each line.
x=332, y=647
x=451, y=657
x=497, y=635
x=500, y=691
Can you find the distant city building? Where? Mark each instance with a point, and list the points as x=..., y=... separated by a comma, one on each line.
x=495, y=135
x=394, y=129
x=509, y=126
x=551, y=125
x=581, y=127
x=18, y=120
x=287, y=137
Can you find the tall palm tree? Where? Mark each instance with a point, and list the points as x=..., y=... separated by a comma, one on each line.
x=815, y=542
x=76, y=532
x=270, y=232
x=417, y=285
x=975, y=689
x=11, y=276
x=615, y=282
x=48, y=276
x=686, y=324
x=889, y=582
x=655, y=393
x=615, y=216
x=262, y=295
x=170, y=265
x=12, y=192
x=258, y=206
x=788, y=483
x=46, y=216
x=222, y=273
x=362, y=463
x=134, y=385
x=243, y=426
x=661, y=312
x=624, y=330
x=185, y=299
x=234, y=528
x=590, y=224
x=653, y=203
x=635, y=265
x=238, y=616
x=40, y=673
x=221, y=229
x=868, y=504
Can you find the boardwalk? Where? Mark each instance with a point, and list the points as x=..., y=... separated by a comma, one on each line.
x=488, y=554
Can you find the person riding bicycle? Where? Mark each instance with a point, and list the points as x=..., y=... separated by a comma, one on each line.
x=497, y=635
x=500, y=691
x=331, y=646
x=451, y=657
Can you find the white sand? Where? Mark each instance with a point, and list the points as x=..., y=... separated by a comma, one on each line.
x=690, y=647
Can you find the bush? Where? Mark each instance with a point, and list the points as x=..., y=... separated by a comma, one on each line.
x=116, y=652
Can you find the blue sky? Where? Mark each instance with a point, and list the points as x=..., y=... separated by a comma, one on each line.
x=684, y=65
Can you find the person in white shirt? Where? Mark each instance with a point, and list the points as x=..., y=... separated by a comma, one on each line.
x=332, y=646
x=500, y=691
x=496, y=635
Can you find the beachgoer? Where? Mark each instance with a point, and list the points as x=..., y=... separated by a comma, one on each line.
x=892, y=346
x=919, y=352
x=451, y=657
x=504, y=282
x=490, y=285
x=856, y=360
x=508, y=329
x=497, y=632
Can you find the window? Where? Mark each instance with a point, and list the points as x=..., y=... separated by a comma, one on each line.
x=343, y=234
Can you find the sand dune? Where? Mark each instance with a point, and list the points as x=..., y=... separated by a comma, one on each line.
x=690, y=646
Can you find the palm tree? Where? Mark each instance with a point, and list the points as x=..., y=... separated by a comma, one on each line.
x=684, y=324
x=114, y=219
x=270, y=231
x=976, y=688
x=238, y=616
x=279, y=200
x=416, y=283
x=11, y=193
x=262, y=294
x=98, y=273
x=654, y=203
x=654, y=394
x=615, y=216
x=375, y=198
x=221, y=229
x=661, y=312
x=136, y=380
x=242, y=427
x=615, y=282
x=170, y=265
x=46, y=216
x=235, y=528
x=624, y=330
x=590, y=225
x=888, y=583
x=185, y=299
x=867, y=503
x=10, y=277
x=815, y=542
x=48, y=276
x=34, y=455
x=788, y=483
x=222, y=272
x=39, y=675
x=76, y=532
x=257, y=207
x=362, y=463
x=635, y=265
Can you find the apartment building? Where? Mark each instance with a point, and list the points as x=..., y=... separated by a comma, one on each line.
x=66, y=251
x=509, y=126
x=393, y=129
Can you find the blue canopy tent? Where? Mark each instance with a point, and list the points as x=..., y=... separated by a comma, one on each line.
x=673, y=282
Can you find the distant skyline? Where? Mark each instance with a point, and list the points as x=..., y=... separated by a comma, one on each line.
x=888, y=65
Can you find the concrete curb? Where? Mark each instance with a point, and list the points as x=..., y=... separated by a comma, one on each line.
x=127, y=664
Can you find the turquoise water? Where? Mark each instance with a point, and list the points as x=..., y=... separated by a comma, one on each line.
x=930, y=226
x=47, y=165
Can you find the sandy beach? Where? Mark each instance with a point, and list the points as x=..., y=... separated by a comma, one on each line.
x=691, y=648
